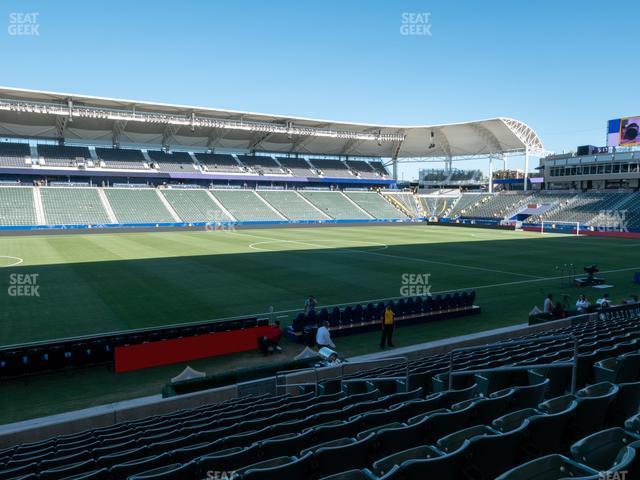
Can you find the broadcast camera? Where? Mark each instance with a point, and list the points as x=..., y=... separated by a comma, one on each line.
x=590, y=279
x=591, y=270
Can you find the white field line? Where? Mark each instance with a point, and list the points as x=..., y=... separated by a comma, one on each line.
x=279, y=313
x=400, y=257
x=254, y=246
x=478, y=287
x=17, y=261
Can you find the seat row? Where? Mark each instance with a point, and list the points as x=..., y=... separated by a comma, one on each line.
x=373, y=311
x=371, y=425
x=535, y=439
x=83, y=352
x=597, y=341
x=235, y=441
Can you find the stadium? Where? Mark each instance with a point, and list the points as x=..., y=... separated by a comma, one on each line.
x=191, y=293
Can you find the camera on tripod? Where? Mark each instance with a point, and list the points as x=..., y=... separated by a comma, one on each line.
x=590, y=279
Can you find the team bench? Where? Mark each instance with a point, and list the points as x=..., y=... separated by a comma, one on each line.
x=360, y=318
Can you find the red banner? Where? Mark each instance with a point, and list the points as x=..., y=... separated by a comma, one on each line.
x=167, y=352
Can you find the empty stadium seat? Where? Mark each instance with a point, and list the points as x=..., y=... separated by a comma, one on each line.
x=133, y=205
x=376, y=205
x=246, y=205
x=174, y=471
x=335, y=204
x=626, y=403
x=293, y=469
x=195, y=205
x=551, y=467
x=444, y=467
x=606, y=450
x=625, y=368
x=73, y=205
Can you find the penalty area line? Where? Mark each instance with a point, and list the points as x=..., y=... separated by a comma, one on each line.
x=389, y=255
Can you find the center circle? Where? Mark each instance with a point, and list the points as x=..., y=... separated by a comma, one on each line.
x=11, y=261
x=317, y=245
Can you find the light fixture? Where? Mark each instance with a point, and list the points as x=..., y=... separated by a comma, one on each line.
x=193, y=121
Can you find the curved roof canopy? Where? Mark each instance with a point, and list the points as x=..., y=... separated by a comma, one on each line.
x=80, y=118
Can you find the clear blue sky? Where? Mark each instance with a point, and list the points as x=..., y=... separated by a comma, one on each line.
x=563, y=67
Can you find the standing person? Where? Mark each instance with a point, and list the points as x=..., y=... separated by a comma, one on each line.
x=323, y=336
x=310, y=304
x=388, y=320
x=548, y=304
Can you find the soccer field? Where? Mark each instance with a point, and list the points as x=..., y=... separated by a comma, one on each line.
x=109, y=282
x=106, y=282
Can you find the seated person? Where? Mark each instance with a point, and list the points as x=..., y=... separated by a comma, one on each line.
x=604, y=302
x=328, y=358
x=269, y=342
x=323, y=336
x=557, y=312
x=333, y=360
x=582, y=305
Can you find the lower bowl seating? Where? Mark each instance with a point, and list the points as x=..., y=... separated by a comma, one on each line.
x=503, y=426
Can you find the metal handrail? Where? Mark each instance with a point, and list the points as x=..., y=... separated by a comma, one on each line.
x=512, y=368
x=368, y=379
x=285, y=373
x=286, y=385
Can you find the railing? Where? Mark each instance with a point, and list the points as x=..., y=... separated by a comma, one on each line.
x=282, y=386
x=404, y=377
x=514, y=368
x=285, y=374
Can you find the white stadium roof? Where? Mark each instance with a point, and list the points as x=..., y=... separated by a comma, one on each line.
x=81, y=118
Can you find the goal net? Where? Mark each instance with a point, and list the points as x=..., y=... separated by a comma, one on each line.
x=553, y=226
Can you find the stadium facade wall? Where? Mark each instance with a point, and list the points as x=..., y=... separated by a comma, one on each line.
x=631, y=233
x=182, y=176
x=203, y=225
x=535, y=227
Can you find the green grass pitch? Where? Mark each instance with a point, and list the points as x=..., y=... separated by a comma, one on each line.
x=99, y=283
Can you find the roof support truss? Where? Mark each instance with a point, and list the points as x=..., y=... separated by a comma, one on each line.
x=257, y=139
x=61, y=125
x=167, y=135
x=532, y=143
x=215, y=136
x=116, y=132
x=441, y=140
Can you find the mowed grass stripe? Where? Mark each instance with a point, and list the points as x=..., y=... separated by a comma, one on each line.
x=352, y=249
x=103, y=282
x=107, y=282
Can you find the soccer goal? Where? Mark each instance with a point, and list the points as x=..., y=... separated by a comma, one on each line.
x=553, y=226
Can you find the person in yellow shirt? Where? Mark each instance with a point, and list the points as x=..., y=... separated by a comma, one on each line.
x=388, y=320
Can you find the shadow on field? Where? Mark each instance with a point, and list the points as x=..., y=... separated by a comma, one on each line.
x=53, y=301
